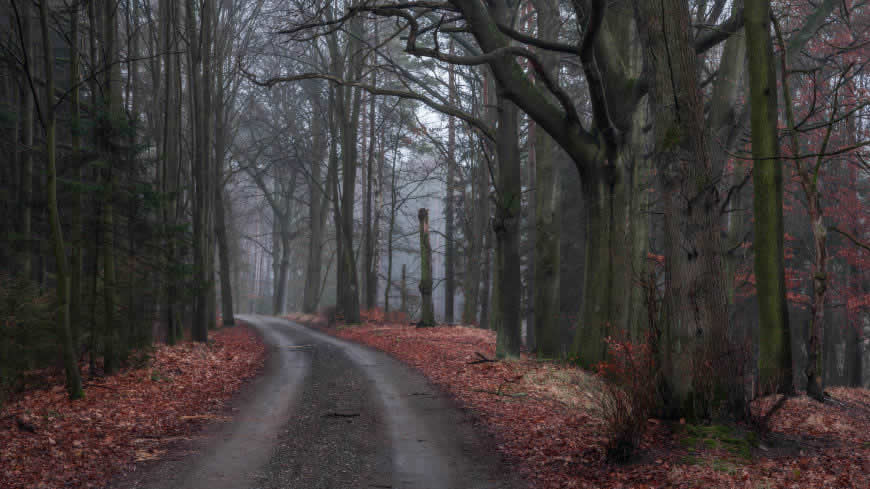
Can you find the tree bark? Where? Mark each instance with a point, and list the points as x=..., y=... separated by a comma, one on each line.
x=404, y=291
x=315, y=253
x=506, y=228
x=370, y=278
x=774, y=363
x=474, y=259
x=695, y=304
x=76, y=233
x=26, y=195
x=547, y=218
x=73, y=377
x=449, y=233
x=227, y=314
x=427, y=309
x=199, y=52
x=115, y=350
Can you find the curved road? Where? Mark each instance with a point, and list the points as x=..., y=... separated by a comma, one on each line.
x=330, y=414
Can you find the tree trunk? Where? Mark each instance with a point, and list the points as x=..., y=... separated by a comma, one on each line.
x=815, y=387
x=506, y=227
x=199, y=87
x=404, y=291
x=774, y=363
x=528, y=225
x=26, y=195
x=370, y=278
x=697, y=358
x=390, y=229
x=485, y=316
x=286, y=239
x=427, y=309
x=608, y=269
x=547, y=218
x=449, y=233
x=114, y=354
x=76, y=234
x=73, y=378
x=315, y=209
x=224, y=249
x=479, y=227
x=171, y=164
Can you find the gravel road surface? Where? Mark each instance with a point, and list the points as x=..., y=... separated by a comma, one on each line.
x=330, y=414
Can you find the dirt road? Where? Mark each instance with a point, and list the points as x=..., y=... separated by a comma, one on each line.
x=331, y=414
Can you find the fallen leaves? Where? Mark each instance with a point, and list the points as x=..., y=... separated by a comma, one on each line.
x=51, y=442
x=545, y=423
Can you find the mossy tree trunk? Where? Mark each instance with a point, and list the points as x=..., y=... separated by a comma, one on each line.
x=774, y=362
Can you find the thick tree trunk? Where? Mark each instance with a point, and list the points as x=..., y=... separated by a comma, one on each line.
x=774, y=363
x=506, y=227
x=608, y=270
x=725, y=129
x=696, y=351
x=546, y=214
x=815, y=387
x=427, y=309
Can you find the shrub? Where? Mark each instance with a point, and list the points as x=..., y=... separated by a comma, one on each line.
x=629, y=381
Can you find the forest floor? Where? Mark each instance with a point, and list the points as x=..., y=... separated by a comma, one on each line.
x=547, y=420
x=48, y=441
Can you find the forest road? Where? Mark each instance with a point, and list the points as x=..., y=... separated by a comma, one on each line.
x=330, y=414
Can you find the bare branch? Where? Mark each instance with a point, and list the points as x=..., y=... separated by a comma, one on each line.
x=476, y=123
x=716, y=34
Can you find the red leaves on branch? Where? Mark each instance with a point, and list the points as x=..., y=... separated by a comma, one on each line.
x=124, y=418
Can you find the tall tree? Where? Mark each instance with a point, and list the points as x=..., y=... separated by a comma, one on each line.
x=547, y=199
x=695, y=305
x=774, y=362
x=48, y=115
x=449, y=211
